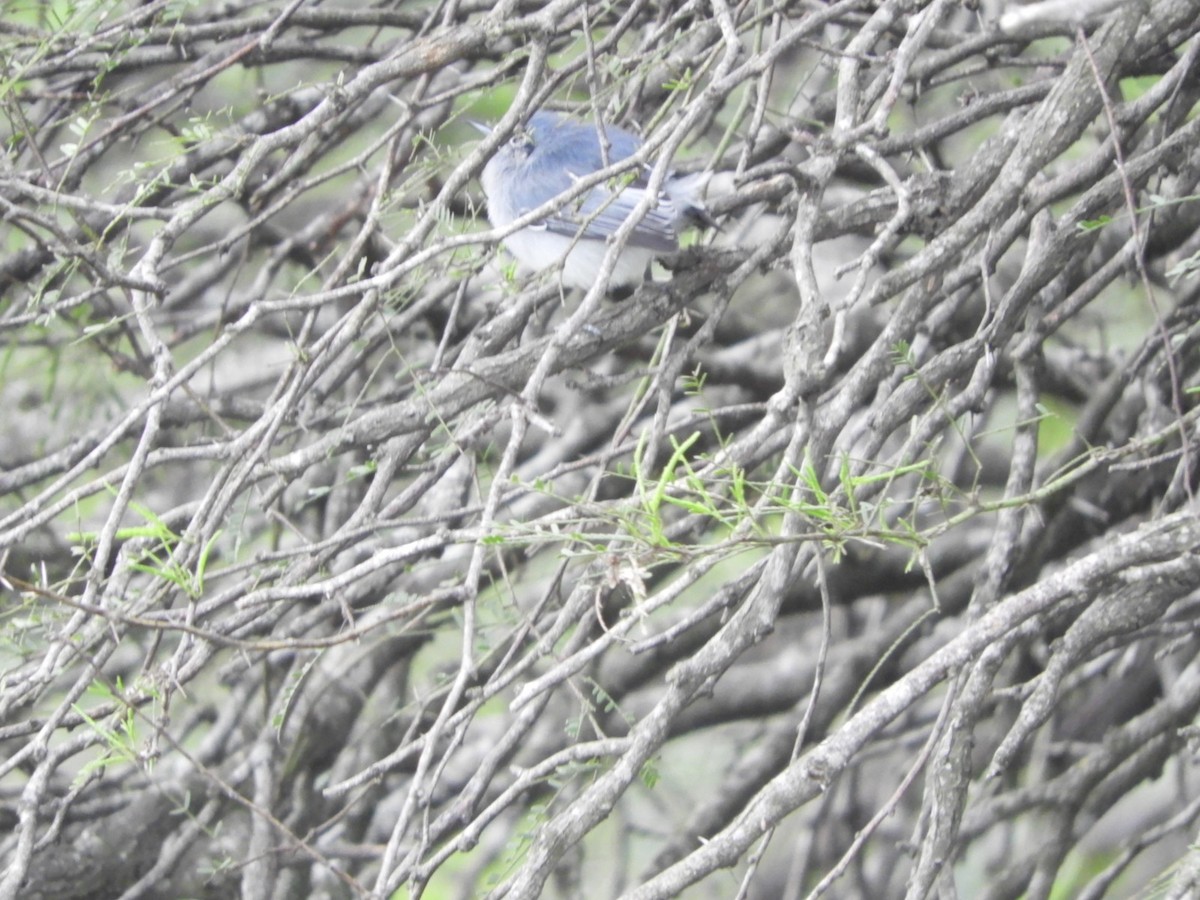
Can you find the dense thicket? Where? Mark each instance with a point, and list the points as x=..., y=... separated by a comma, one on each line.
x=855, y=554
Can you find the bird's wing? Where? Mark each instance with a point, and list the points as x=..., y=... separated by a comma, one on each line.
x=602, y=212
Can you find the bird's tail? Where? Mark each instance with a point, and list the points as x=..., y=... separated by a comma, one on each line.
x=687, y=193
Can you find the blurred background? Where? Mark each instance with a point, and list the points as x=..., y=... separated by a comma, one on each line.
x=854, y=555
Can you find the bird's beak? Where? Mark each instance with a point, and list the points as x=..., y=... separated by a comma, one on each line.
x=485, y=130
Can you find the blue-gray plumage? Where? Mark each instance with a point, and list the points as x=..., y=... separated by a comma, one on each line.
x=545, y=160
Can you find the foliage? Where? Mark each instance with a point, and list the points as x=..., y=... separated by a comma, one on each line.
x=854, y=555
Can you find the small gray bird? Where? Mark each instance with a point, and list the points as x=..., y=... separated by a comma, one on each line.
x=545, y=159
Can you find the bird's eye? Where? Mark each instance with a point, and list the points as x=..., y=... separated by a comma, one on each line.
x=522, y=140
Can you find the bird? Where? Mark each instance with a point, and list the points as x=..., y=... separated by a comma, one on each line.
x=545, y=159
